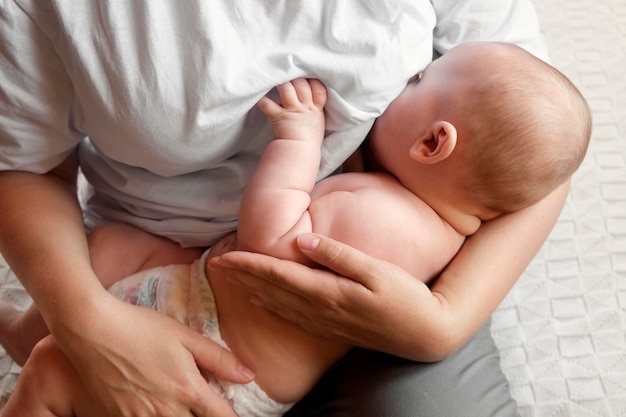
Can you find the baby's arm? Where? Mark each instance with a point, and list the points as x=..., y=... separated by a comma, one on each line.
x=274, y=208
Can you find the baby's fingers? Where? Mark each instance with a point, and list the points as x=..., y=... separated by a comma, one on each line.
x=269, y=107
x=318, y=92
x=292, y=93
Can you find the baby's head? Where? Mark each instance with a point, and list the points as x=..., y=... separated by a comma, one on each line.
x=489, y=123
x=523, y=128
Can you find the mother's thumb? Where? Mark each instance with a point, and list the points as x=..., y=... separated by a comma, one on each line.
x=339, y=257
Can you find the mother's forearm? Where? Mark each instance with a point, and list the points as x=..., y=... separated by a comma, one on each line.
x=491, y=261
x=43, y=239
x=440, y=320
x=374, y=304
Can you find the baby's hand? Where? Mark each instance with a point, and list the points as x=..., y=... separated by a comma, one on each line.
x=300, y=116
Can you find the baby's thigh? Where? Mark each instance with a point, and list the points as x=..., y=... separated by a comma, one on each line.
x=48, y=386
x=118, y=250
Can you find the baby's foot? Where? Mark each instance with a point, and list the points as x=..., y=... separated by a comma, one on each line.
x=12, y=339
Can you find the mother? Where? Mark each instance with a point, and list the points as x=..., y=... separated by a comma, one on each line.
x=155, y=101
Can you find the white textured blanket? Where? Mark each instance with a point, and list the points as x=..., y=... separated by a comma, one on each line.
x=562, y=330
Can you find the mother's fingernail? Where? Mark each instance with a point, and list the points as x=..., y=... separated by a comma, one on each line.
x=218, y=263
x=246, y=372
x=308, y=241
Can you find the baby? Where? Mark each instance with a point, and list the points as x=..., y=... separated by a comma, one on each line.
x=486, y=129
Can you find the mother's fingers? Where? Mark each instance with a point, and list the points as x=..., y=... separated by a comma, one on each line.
x=213, y=357
x=209, y=404
x=344, y=259
x=258, y=272
x=316, y=300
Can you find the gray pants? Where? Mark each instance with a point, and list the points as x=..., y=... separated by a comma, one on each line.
x=372, y=384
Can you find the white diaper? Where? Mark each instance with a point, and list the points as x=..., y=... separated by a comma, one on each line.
x=183, y=292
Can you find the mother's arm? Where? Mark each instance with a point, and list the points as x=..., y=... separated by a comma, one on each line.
x=373, y=304
x=119, y=350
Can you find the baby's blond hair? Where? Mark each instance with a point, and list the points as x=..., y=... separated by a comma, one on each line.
x=526, y=129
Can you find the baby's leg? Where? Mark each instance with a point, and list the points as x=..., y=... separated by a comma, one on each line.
x=117, y=251
x=20, y=331
x=48, y=386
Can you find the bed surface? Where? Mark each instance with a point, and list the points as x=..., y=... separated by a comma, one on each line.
x=562, y=329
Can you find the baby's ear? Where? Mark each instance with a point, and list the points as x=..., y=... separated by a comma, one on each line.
x=436, y=145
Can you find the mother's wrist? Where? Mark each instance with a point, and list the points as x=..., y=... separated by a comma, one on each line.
x=79, y=313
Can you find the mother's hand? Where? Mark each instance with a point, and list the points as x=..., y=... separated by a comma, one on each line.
x=147, y=364
x=50, y=384
x=365, y=301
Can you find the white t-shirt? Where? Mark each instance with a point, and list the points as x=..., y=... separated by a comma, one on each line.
x=160, y=95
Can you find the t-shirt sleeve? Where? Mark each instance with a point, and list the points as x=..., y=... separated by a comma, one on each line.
x=35, y=96
x=511, y=21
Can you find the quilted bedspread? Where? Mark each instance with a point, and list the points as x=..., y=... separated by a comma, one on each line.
x=562, y=329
